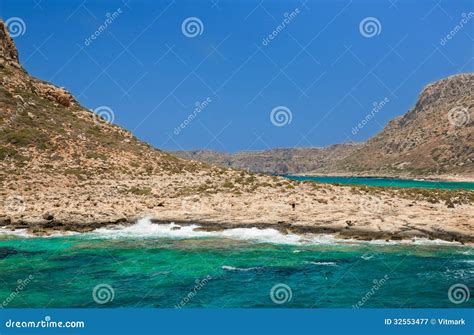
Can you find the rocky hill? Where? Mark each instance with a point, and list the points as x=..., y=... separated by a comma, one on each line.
x=435, y=138
x=44, y=129
x=279, y=161
x=65, y=168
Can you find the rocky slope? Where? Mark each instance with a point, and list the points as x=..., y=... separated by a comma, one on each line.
x=435, y=138
x=279, y=161
x=63, y=168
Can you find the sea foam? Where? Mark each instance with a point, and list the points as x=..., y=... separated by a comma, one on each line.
x=145, y=228
x=233, y=268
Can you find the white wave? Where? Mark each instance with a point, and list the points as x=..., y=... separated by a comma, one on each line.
x=323, y=263
x=23, y=233
x=145, y=228
x=366, y=257
x=415, y=241
x=469, y=261
x=17, y=233
x=159, y=273
x=233, y=268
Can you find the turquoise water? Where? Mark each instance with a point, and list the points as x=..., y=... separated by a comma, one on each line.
x=220, y=272
x=388, y=182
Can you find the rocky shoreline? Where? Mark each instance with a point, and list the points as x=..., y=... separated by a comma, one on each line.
x=347, y=212
x=65, y=168
x=50, y=228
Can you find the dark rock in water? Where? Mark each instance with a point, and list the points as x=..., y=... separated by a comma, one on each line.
x=7, y=251
x=10, y=251
x=48, y=216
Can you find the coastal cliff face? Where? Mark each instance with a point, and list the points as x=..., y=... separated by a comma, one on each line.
x=43, y=129
x=435, y=138
x=278, y=161
x=65, y=168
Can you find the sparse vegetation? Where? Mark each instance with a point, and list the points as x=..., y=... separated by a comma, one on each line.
x=25, y=137
x=139, y=190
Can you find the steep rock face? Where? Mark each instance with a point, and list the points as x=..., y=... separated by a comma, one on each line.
x=63, y=167
x=43, y=129
x=279, y=161
x=8, y=51
x=435, y=137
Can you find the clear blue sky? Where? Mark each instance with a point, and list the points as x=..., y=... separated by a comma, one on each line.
x=319, y=66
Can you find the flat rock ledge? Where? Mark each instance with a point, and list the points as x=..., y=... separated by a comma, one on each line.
x=43, y=227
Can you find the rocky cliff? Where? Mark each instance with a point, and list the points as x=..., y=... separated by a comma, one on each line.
x=277, y=161
x=434, y=138
x=65, y=168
